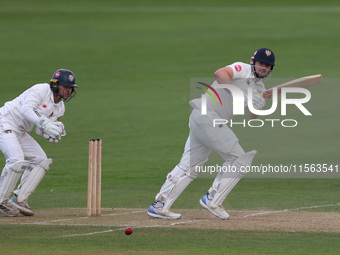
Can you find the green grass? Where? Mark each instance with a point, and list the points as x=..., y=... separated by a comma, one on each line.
x=178, y=241
x=133, y=61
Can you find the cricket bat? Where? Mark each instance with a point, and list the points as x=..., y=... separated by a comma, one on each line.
x=303, y=82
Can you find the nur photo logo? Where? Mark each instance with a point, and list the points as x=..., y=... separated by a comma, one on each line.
x=241, y=100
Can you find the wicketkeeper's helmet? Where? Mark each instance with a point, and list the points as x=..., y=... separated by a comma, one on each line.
x=64, y=77
x=263, y=55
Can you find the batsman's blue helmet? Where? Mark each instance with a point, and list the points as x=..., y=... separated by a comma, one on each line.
x=263, y=55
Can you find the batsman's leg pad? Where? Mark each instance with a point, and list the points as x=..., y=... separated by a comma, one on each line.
x=219, y=175
x=229, y=180
x=35, y=177
x=170, y=183
x=179, y=187
x=10, y=178
x=175, y=184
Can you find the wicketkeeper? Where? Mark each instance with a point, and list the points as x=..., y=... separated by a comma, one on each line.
x=41, y=105
x=205, y=138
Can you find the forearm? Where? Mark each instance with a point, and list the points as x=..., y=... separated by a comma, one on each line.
x=29, y=114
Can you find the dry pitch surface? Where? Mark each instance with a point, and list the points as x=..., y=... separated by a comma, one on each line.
x=119, y=218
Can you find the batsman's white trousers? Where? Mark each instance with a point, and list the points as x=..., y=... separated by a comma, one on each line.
x=20, y=146
x=203, y=139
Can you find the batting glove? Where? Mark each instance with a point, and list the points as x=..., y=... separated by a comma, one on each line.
x=258, y=101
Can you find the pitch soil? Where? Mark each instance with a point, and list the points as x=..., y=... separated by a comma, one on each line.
x=306, y=221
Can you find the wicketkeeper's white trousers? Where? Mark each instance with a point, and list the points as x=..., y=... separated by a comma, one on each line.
x=18, y=147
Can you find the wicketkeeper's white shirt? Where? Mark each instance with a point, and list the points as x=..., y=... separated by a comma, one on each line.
x=21, y=113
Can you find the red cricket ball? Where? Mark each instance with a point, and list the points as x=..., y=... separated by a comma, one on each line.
x=128, y=231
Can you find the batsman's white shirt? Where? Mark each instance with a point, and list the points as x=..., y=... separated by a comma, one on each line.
x=204, y=137
x=243, y=78
x=21, y=114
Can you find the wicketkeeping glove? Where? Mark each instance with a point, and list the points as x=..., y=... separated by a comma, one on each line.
x=52, y=140
x=49, y=128
x=63, y=133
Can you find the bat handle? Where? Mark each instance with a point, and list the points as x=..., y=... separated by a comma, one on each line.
x=269, y=93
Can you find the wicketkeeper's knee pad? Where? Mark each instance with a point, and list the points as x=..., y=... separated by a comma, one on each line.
x=10, y=177
x=35, y=177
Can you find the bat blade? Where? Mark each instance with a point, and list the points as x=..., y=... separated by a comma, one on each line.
x=303, y=82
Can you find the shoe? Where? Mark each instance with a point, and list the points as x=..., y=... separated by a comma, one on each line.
x=155, y=210
x=219, y=211
x=23, y=206
x=8, y=209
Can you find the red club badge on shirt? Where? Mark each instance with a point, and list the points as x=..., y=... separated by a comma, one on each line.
x=238, y=68
x=44, y=105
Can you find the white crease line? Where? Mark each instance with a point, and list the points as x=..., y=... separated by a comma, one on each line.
x=113, y=214
x=61, y=224
x=103, y=209
x=94, y=233
x=186, y=222
x=80, y=218
x=99, y=225
x=293, y=209
x=110, y=230
x=119, y=229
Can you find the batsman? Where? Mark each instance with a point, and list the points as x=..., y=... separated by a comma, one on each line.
x=40, y=106
x=204, y=138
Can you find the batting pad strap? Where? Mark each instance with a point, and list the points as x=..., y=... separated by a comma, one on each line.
x=10, y=178
x=35, y=177
x=173, y=178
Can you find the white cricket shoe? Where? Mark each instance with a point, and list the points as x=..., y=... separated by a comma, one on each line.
x=8, y=209
x=155, y=210
x=22, y=206
x=219, y=211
